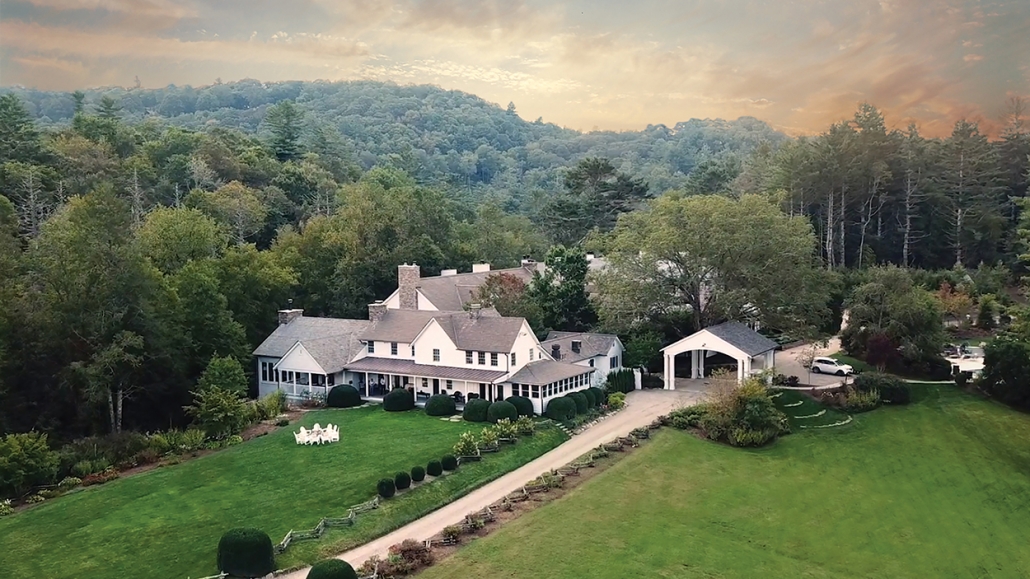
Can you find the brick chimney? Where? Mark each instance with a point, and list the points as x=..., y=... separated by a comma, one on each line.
x=556, y=351
x=408, y=279
x=480, y=267
x=475, y=310
x=287, y=316
x=376, y=311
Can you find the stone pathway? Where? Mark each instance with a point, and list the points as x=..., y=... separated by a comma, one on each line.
x=642, y=407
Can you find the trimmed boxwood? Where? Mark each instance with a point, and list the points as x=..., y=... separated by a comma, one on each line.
x=893, y=390
x=598, y=395
x=386, y=488
x=399, y=400
x=246, y=552
x=449, y=462
x=561, y=409
x=501, y=409
x=332, y=569
x=434, y=468
x=440, y=405
x=580, y=400
x=402, y=480
x=591, y=398
x=418, y=474
x=475, y=410
x=523, y=405
x=343, y=396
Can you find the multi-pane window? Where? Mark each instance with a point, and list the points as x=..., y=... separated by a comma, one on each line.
x=513, y=358
x=468, y=356
x=591, y=362
x=371, y=347
x=413, y=351
x=493, y=358
x=531, y=354
x=393, y=348
x=613, y=362
x=525, y=389
x=425, y=382
x=482, y=358
x=450, y=384
x=436, y=354
x=536, y=391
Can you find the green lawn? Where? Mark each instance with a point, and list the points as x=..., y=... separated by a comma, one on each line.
x=804, y=412
x=940, y=488
x=167, y=522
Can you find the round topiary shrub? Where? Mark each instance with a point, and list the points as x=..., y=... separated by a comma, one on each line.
x=449, y=462
x=580, y=400
x=591, y=398
x=344, y=396
x=245, y=552
x=598, y=395
x=402, y=480
x=499, y=410
x=434, y=468
x=399, y=400
x=440, y=405
x=475, y=410
x=332, y=569
x=523, y=405
x=386, y=488
x=561, y=409
x=418, y=474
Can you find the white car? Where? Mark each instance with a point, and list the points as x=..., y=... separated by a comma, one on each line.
x=831, y=366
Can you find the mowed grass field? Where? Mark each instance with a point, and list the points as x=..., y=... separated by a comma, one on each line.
x=940, y=488
x=166, y=523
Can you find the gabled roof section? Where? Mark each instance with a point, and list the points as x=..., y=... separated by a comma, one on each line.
x=591, y=344
x=332, y=342
x=451, y=293
x=544, y=372
x=488, y=333
x=743, y=337
x=399, y=326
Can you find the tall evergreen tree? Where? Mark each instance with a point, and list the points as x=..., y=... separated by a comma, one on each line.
x=285, y=121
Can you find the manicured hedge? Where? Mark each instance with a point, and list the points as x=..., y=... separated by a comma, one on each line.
x=402, y=480
x=246, y=552
x=893, y=390
x=598, y=395
x=580, y=399
x=418, y=474
x=434, y=468
x=344, y=396
x=399, y=400
x=591, y=398
x=501, y=409
x=523, y=405
x=449, y=462
x=440, y=405
x=332, y=569
x=561, y=409
x=386, y=488
x=475, y=410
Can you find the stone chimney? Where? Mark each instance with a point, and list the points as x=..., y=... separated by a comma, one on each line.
x=474, y=311
x=448, y=272
x=556, y=351
x=480, y=267
x=376, y=311
x=577, y=346
x=408, y=279
x=287, y=316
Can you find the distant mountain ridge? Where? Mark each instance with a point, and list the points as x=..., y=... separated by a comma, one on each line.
x=437, y=134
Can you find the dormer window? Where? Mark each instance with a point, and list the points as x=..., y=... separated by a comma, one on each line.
x=371, y=347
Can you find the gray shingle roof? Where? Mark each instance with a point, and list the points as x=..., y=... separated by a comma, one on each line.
x=591, y=344
x=410, y=368
x=450, y=293
x=331, y=341
x=546, y=371
x=488, y=333
x=743, y=337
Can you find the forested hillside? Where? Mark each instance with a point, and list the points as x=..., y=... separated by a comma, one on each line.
x=435, y=135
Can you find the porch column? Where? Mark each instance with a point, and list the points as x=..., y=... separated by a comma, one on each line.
x=701, y=364
x=740, y=370
x=366, y=385
x=770, y=365
x=670, y=381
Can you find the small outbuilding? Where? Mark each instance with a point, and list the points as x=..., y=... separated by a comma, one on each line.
x=753, y=352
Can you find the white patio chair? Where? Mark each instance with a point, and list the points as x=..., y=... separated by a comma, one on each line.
x=300, y=437
x=333, y=433
x=305, y=435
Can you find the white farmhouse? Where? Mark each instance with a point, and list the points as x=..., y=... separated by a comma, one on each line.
x=602, y=352
x=465, y=354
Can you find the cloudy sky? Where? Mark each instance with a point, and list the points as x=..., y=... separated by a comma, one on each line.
x=798, y=64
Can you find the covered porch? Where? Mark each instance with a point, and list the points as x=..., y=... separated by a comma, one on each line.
x=753, y=353
x=377, y=376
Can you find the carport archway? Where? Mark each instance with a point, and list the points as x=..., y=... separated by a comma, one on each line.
x=733, y=339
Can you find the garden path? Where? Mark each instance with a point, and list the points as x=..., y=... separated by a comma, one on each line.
x=642, y=407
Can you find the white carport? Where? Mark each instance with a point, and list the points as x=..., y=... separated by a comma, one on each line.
x=733, y=339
